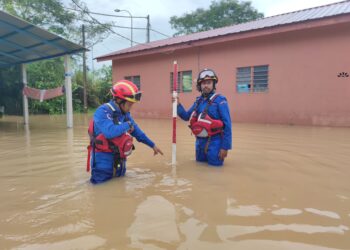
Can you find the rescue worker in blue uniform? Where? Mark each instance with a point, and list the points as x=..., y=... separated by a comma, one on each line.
x=111, y=132
x=210, y=120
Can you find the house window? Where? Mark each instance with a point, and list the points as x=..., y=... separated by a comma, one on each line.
x=243, y=80
x=184, y=81
x=135, y=79
x=252, y=79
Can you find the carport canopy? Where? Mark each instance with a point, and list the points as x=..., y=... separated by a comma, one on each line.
x=22, y=42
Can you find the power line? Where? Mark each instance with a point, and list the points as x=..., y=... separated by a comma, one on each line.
x=86, y=11
x=99, y=40
x=106, y=26
x=159, y=32
x=126, y=27
x=103, y=14
x=112, y=25
x=139, y=28
x=122, y=27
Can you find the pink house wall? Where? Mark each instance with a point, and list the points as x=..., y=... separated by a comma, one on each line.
x=303, y=83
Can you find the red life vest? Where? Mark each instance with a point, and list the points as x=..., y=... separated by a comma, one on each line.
x=203, y=125
x=121, y=145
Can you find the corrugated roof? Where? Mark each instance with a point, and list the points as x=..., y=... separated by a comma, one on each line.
x=315, y=13
x=22, y=42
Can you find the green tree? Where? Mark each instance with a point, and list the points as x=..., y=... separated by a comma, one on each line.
x=10, y=90
x=219, y=14
x=46, y=74
x=49, y=14
x=101, y=86
x=52, y=16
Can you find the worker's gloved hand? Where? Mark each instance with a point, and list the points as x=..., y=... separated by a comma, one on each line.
x=222, y=154
x=177, y=99
x=131, y=126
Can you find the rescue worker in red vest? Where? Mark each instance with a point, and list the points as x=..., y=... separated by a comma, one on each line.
x=111, y=134
x=210, y=121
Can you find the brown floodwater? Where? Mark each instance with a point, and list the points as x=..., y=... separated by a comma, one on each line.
x=282, y=187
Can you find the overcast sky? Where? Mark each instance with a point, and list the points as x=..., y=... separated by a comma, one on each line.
x=160, y=12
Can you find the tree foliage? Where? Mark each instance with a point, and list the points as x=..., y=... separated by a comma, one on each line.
x=46, y=74
x=49, y=14
x=53, y=16
x=219, y=14
x=103, y=83
x=99, y=83
x=10, y=86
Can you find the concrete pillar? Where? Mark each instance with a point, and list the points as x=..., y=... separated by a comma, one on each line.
x=68, y=87
x=25, y=99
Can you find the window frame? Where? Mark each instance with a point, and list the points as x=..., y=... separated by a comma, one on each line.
x=131, y=79
x=180, y=81
x=256, y=79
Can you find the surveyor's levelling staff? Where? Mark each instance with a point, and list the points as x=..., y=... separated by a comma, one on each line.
x=210, y=121
x=111, y=134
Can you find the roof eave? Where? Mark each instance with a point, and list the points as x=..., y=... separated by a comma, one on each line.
x=308, y=24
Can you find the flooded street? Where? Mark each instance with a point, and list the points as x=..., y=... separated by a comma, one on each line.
x=282, y=187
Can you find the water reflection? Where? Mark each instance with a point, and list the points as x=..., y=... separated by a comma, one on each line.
x=138, y=179
x=155, y=221
x=27, y=134
x=251, y=210
x=267, y=196
x=323, y=213
x=228, y=232
x=287, y=211
x=80, y=243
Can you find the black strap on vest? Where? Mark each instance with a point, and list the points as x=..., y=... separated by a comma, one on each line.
x=118, y=163
x=205, y=111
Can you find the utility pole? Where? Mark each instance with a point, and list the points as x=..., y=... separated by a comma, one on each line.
x=92, y=65
x=148, y=29
x=84, y=71
x=131, y=24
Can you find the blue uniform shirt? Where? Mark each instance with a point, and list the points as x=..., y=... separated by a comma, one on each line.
x=104, y=123
x=218, y=110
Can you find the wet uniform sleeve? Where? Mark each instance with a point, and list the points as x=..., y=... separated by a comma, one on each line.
x=226, y=119
x=104, y=124
x=183, y=114
x=140, y=135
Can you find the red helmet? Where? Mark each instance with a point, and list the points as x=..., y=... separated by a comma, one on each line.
x=126, y=90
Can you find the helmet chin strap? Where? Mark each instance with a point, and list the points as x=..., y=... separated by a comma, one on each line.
x=208, y=94
x=120, y=102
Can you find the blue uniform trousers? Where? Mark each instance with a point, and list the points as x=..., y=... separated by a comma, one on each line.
x=211, y=155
